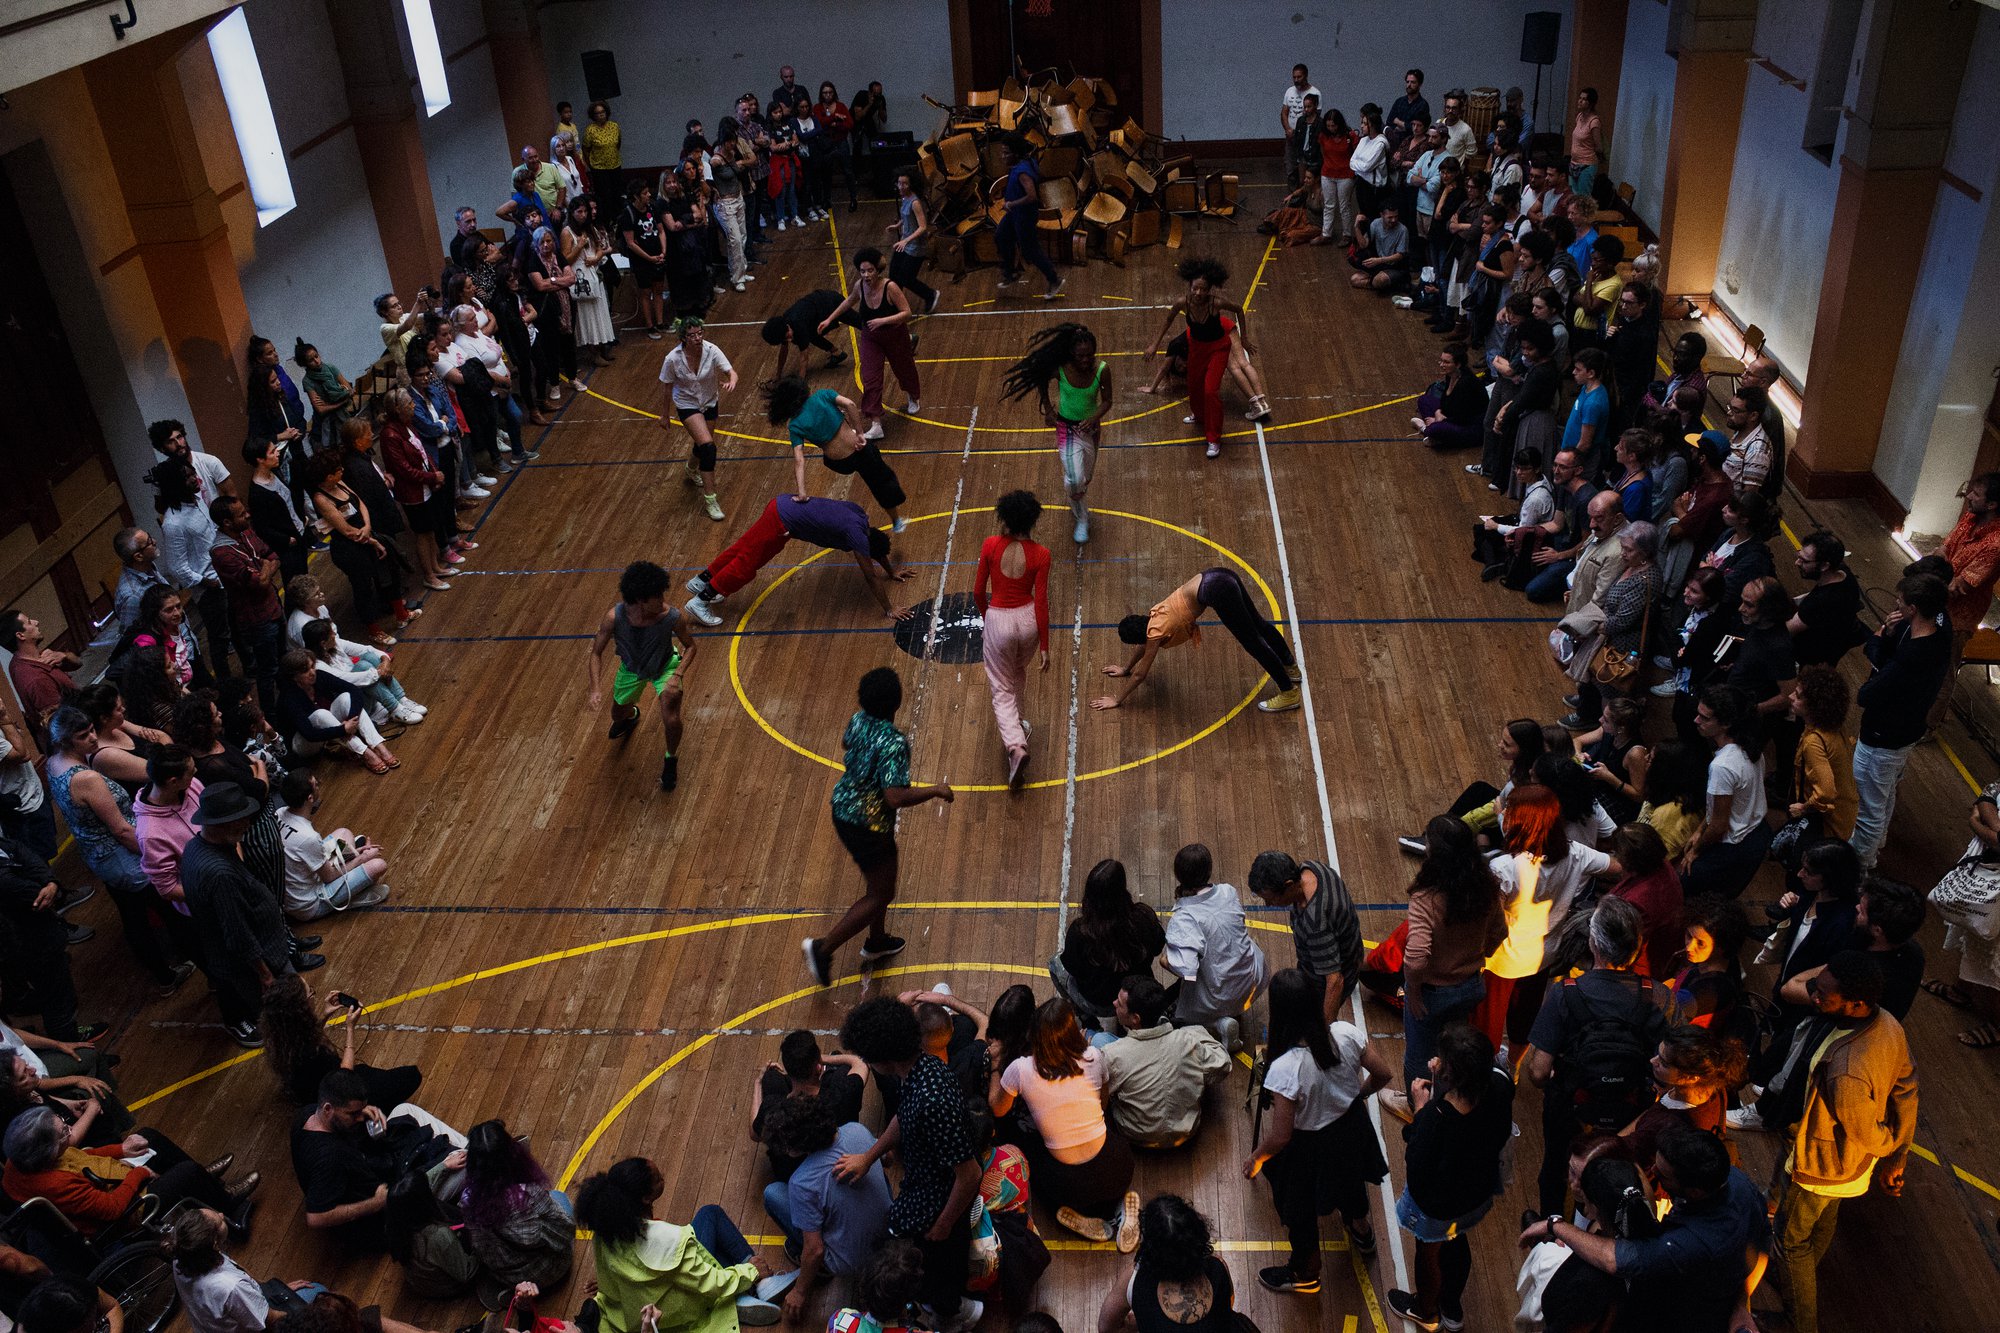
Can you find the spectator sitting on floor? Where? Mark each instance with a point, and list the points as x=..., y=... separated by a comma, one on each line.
x=61, y=1304
x=837, y=1081
x=953, y=1031
x=1112, y=937
x=1450, y=412
x=345, y=1169
x=518, y=1228
x=1175, y=1281
x=661, y=1275
x=830, y=1229
x=325, y=873
x=887, y=1293
x=94, y=1187
x=1209, y=948
x=92, y=1113
x=220, y=1297
x=302, y=1055
x=1155, y=1074
x=378, y=682
x=1385, y=265
x=317, y=710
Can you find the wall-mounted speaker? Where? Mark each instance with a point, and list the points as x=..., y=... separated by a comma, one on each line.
x=600, y=74
x=1539, y=32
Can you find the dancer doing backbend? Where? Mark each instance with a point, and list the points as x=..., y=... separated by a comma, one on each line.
x=1208, y=330
x=884, y=311
x=1172, y=623
x=1067, y=354
x=837, y=525
x=832, y=422
x=1015, y=617
x=654, y=648
x=874, y=784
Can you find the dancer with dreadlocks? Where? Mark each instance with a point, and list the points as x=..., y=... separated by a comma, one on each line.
x=1208, y=330
x=1067, y=355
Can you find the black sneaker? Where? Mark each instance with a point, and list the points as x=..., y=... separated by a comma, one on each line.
x=1404, y=1304
x=74, y=898
x=308, y=962
x=670, y=773
x=246, y=1035
x=1492, y=572
x=837, y=359
x=885, y=946
x=818, y=965
x=1281, y=1278
x=1573, y=700
x=621, y=727
x=300, y=943
x=77, y=934
x=172, y=981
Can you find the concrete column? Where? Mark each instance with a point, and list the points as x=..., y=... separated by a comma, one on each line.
x=1596, y=57
x=527, y=107
x=178, y=228
x=1911, y=56
x=388, y=131
x=1710, y=69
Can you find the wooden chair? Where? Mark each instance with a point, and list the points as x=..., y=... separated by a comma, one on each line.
x=1716, y=365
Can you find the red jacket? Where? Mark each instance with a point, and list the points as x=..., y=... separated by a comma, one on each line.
x=410, y=470
x=83, y=1203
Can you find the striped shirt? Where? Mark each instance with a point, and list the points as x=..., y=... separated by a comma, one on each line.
x=1325, y=929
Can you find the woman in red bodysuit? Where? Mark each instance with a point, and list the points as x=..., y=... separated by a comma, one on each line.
x=1015, y=615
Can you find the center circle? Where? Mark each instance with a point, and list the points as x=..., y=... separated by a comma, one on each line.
x=737, y=635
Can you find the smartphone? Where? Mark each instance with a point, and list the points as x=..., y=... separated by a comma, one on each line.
x=347, y=1001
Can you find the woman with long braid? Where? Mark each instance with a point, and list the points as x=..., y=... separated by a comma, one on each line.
x=1067, y=356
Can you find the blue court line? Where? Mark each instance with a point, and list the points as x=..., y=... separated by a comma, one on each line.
x=894, y=454
x=482, y=909
x=813, y=566
x=887, y=629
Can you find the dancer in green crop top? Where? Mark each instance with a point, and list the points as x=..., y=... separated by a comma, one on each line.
x=1066, y=356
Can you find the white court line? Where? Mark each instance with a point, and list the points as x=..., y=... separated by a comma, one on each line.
x=1069, y=772
x=1041, y=308
x=1393, y=1234
x=944, y=572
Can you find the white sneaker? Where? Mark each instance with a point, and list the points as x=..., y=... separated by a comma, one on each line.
x=421, y=710
x=404, y=715
x=772, y=1287
x=1502, y=1057
x=899, y=524
x=1230, y=1033
x=1747, y=1118
x=749, y=277
x=738, y=285
x=695, y=608
x=477, y=492
x=781, y=224
x=1666, y=689
x=913, y=407
x=753, y=1312
x=699, y=587
x=372, y=896
x=970, y=1312
x=483, y=480
x=1187, y=420
x=874, y=432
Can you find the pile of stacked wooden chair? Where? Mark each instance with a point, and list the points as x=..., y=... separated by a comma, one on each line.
x=1107, y=186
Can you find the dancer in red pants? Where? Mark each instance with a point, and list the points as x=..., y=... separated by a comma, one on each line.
x=885, y=314
x=1208, y=342
x=837, y=525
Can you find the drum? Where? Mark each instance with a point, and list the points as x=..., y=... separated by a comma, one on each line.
x=1481, y=105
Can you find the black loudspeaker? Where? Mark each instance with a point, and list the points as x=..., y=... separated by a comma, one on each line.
x=1539, y=32
x=600, y=72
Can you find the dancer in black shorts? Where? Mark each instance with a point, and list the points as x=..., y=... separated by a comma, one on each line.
x=1172, y=623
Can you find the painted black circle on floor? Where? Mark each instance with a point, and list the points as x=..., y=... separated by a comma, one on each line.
x=959, y=629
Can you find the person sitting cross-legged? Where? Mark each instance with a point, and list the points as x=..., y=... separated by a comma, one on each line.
x=345, y=1168
x=325, y=873
x=830, y=1228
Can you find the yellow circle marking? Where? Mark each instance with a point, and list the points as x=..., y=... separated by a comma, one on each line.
x=743, y=624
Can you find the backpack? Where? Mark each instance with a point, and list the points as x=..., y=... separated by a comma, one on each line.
x=1606, y=1066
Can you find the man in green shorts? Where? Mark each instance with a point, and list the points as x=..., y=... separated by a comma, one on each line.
x=654, y=647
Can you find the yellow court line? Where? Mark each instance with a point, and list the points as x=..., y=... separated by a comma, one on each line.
x=1114, y=298
x=970, y=304
x=742, y=696
x=486, y=973
x=959, y=360
x=1258, y=276
x=632, y=1094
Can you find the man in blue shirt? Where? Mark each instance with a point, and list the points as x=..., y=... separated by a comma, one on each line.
x=1016, y=233
x=830, y=1227
x=1711, y=1250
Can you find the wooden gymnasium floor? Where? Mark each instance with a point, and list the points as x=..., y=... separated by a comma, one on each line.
x=608, y=967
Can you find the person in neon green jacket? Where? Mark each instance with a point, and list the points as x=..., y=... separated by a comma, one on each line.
x=662, y=1277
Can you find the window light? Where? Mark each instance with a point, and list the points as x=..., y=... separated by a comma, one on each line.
x=430, y=56
x=235, y=56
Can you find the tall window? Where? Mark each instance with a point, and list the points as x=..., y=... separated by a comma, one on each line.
x=269, y=179
x=430, y=57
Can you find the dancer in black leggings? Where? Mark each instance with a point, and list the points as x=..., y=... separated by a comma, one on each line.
x=1172, y=623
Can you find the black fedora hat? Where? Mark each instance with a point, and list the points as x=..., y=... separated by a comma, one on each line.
x=225, y=803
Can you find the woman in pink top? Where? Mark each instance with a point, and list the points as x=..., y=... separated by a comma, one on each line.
x=1585, y=148
x=162, y=816
x=1015, y=616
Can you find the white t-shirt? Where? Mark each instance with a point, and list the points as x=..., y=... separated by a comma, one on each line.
x=1295, y=100
x=1732, y=773
x=483, y=347
x=10, y=1040
x=305, y=853
x=1321, y=1096
x=1528, y=921
x=223, y=1300
x=19, y=780
x=695, y=386
x=1068, y=1112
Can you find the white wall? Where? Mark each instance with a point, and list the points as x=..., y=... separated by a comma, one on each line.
x=466, y=143
x=314, y=272
x=1645, y=108
x=1781, y=197
x=1226, y=66
x=1944, y=374
x=698, y=65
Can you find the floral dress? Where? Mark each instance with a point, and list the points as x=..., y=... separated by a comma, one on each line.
x=1002, y=1189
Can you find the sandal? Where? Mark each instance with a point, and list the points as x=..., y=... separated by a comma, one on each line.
x=375, y=765
x=1947, y=991
x=1981, y=1037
